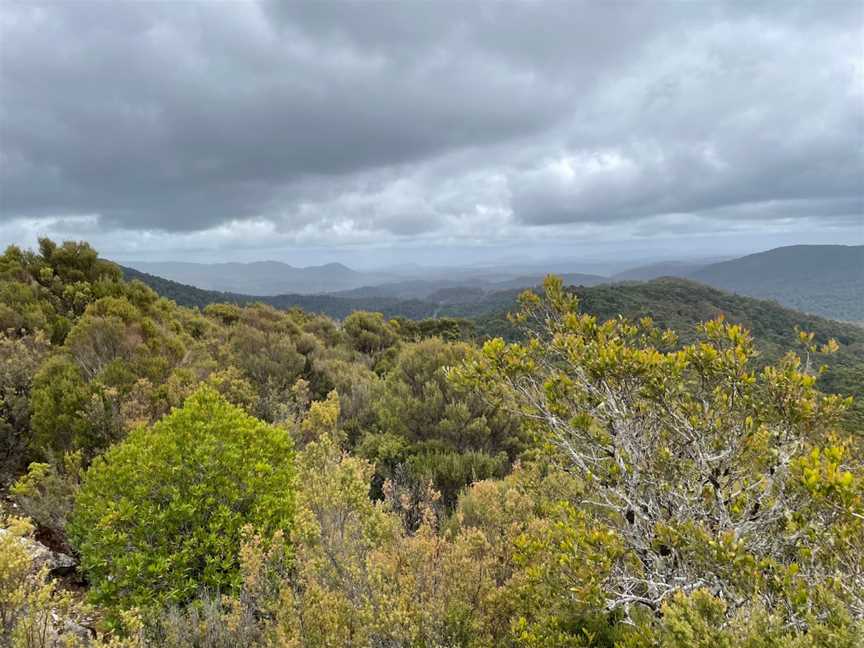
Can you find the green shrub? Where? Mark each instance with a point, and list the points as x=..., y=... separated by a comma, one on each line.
x=450, y=472
x=59, y=399
x=369, y=332
x=160, y=515
x=19, y=360
x=46, y=494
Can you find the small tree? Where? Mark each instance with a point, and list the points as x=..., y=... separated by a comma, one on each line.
x=369, y=332
x=59, y=400
x=159, y=516
x=706, y=470
x=19, y=360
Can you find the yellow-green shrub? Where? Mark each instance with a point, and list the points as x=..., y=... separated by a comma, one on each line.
x=159, y=516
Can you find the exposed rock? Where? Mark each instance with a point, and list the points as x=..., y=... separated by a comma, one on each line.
x=58, y=564
x=65, y=628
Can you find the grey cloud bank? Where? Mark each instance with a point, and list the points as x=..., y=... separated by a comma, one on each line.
x=200, y=129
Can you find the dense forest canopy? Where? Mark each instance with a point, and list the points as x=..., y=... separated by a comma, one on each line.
x=602, y=469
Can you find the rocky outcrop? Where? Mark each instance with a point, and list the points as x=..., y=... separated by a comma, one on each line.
x=58, y=564
x=60, y=629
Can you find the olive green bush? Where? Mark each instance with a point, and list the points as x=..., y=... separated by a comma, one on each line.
x=46, y=495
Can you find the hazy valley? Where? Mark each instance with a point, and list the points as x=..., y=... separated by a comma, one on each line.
x=825, y=280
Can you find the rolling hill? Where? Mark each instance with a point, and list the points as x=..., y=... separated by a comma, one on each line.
x=263, y=277
x=674, y=303
x=826, y=280
x=334, y=306
x=657, y=270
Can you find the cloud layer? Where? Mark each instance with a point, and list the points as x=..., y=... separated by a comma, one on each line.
x=356, y=123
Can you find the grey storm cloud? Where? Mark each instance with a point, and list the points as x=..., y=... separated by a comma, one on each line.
x=353, y=120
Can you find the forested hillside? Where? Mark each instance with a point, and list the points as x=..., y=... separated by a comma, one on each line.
x=212, y=471
x=264, y=277
x=333, y=306
x=827, y=280
x=677, y=304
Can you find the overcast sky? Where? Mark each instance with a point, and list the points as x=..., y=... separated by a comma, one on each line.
x=389, y=132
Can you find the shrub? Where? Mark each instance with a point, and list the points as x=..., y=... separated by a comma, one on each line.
x=19, y=360
x=244, y=619
x=59, y=398
x=34, y=611
x=26, y=601
x=450, y=472
x=369, y=332
x=420, y=402
x=707, y=471
x=159, y=516
x=46, y=494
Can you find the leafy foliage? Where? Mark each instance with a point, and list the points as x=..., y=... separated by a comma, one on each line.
x=681, y=305
x=159, y=516
x=19, y=360
x=690, y=459
x=46, y=495
x=678, y=304
x=439, y=432
x=31, y=604
x=589, y=479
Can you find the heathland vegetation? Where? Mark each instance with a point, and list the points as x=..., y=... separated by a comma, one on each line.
x=602, y=469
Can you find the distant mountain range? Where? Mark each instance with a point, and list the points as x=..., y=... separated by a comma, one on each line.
x=461, y=290
x=659, y=269
x=826, y=280
x=263, y=277
x=273, y=278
